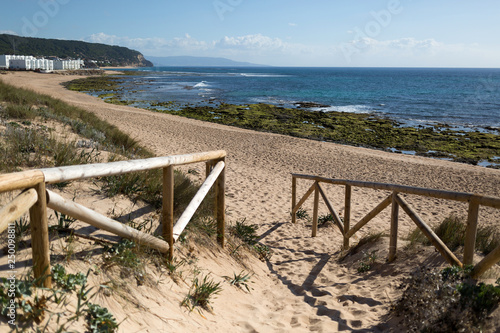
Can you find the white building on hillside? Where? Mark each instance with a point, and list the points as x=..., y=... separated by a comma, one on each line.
x=68, y=64
x=29, y=63
x=6, y=58
x=22, y=62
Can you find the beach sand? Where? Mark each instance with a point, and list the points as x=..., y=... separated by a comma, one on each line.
x=303, y=287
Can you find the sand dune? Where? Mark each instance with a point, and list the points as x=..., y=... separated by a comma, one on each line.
x=307, y=289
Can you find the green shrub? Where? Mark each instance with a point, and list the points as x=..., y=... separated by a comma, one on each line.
x=446, y=301
x=100, y=320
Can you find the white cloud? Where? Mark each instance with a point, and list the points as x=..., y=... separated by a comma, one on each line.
x=406, y=44
x=292, y=24
x=251, y=42
x=186, y=43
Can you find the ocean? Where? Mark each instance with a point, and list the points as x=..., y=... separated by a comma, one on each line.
x=466, y=99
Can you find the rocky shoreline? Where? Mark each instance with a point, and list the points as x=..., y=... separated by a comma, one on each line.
x=364, y=130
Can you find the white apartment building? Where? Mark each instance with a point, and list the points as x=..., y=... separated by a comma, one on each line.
x=6, y=58
x=22, y=62
x=68, y=64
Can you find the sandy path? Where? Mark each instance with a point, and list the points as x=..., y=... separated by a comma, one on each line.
x=259, y=189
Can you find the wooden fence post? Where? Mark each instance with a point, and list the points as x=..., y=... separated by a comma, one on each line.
x=315, y=210
x=40, y=237
x=220, y=207
x=471, y=231
x=347, y=215
x=209, y=166
x=168, y=209
x=393, y=245
x=294, y=198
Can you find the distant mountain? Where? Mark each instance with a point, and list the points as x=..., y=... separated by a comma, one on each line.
x=190, y=61
x=105, y=55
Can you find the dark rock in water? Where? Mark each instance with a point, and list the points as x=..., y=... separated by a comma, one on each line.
x=310, y=105
x=491, y=128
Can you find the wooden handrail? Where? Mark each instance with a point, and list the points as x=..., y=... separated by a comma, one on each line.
x=449, y=195
x=474, y=200
x=368, y=217
x=84, y=214
x=197, y=199
x=78, y=172
x=37, y=199
x=20, y=180
x=435, y=240
x=17, y=207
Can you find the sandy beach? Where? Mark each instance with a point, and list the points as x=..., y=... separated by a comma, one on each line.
x=302, y=288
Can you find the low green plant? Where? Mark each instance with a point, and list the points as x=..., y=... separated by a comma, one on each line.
x=323, y=220
x=240, y=280
x=367, y=261
x=64, y=222
x=123, y=254
x=67, y=281
x=100, y=320
x=201, y=293
x=21, y=227
x=302, y=214
x=206, y=225
x=263, y=251
x=22, y=290
x=174, y=265
x=246, y=232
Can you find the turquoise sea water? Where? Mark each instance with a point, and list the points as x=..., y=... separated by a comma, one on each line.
x=463, y=98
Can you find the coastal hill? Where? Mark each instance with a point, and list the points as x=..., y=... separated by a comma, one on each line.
x=199, y=62
x=104, y=55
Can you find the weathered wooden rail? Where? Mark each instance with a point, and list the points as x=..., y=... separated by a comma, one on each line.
x=36, y=198
x=394, y=199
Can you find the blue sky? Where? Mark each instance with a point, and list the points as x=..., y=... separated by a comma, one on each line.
x=406, y=33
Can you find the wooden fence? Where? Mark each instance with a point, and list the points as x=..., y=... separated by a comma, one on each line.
x=36, y=198
x=394, y=199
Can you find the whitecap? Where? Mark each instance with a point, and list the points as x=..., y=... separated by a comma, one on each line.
x=346, y=108
x=201, y=84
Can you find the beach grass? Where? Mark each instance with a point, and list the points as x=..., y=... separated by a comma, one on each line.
x=452, y=231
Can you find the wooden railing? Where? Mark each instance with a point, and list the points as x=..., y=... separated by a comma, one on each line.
x=36, y=198
x=394, y=199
